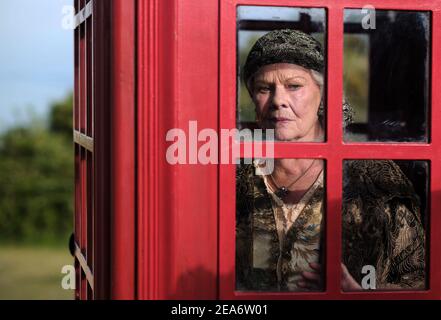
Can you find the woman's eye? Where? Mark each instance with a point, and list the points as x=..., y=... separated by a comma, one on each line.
x=294, y=86
x=263, y=89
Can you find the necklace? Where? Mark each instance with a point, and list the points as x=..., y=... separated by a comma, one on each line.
x=283, y=191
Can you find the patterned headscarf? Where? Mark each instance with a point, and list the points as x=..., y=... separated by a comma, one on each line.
x=285, y=46
x=290, y=46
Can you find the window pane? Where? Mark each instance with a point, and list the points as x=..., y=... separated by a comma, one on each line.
x=386, y=74
x=280, y=82
x=384, y=225
x=280, y=225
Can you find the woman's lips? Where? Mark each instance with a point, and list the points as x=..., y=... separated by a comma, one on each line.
x=280, y=119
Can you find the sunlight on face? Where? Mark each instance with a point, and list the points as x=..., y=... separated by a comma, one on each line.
x=287, y=100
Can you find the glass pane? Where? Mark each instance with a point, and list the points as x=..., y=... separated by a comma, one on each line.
x=385, y=210
x=280, y=225
x=386, y=75
x=281, y=63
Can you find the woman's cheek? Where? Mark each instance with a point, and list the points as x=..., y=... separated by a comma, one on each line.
x=307, y=106
x=300, y=110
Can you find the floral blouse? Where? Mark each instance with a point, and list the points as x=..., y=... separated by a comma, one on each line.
x=276, y=243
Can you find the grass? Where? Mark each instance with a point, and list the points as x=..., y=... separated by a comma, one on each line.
x=33, y=273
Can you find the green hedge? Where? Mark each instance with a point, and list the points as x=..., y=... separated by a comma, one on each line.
x=37, y=178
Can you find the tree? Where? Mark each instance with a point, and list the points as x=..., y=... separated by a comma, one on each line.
x=60, y=117
x=36, y=179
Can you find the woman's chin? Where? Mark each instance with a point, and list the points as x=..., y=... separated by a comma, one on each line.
x=282, y=135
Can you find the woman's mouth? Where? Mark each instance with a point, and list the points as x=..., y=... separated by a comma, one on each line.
x=279, y=119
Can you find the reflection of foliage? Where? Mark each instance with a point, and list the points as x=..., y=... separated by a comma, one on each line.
x=246, y=107
x=36, y=174
x=356, y=74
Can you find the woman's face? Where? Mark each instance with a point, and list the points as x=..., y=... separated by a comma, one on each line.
x=287, y=99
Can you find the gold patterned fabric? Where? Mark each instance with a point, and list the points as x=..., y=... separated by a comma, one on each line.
x=381, y=227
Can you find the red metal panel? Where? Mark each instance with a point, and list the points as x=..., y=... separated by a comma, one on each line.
x=333, y=159
x=123, y=152
x=101, y=156
x=227, y=182
x=105, y=94
x=435, y=181
x=84, y=162
x=83, y=177
x=196, y=195
x=77, y=222
x=334, y=150
x=89, y=154
x=148, y=168
x=177, y=225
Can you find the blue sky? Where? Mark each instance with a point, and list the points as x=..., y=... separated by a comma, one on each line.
x=36, y=58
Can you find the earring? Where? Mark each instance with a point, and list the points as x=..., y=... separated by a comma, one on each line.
x=321, y=110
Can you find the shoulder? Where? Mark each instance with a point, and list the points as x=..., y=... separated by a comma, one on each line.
x=377, y=195
x=244, y=179
x=379, y=179
x=244, y=189
x=244, y=170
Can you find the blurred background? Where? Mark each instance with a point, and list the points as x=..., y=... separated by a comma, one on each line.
x=36, y=151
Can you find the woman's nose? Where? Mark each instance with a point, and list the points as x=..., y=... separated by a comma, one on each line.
x=279, y=99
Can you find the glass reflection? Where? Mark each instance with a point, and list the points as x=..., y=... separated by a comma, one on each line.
x=386, y=74
x=280, y=225
x=384, y=220
x=281, y=65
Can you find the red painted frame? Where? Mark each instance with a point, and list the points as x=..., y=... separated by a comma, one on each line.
x=122, y=156
x=177, y=205
x=104, y=135
x=83, y=162
x=334, y=150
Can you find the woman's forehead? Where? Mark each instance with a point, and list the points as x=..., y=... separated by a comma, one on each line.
x=281, y=72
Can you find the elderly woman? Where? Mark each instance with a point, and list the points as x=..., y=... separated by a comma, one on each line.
x=279, y=240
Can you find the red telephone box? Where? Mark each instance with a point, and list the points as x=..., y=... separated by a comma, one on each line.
x=147, y=229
